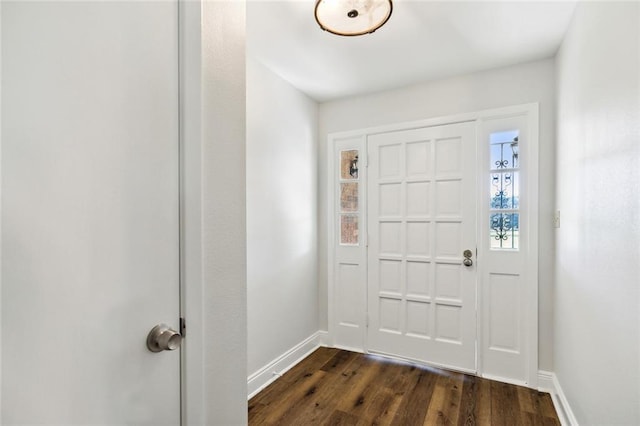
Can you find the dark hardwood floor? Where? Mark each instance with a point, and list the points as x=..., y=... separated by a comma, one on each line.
x=335, y=387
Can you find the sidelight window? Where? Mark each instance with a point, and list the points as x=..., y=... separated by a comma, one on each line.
x=349, y=198
x=504, y=217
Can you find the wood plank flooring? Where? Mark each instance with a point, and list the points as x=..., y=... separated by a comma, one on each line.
x=335, y=387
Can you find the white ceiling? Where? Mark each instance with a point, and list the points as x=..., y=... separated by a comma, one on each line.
x=423, y=40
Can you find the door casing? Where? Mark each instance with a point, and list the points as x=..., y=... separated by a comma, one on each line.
x=356, y=139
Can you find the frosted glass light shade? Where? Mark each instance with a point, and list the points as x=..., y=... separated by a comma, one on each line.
x=352, y=17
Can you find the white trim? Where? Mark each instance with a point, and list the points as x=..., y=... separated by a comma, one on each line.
x=532, y=112
x=436, y=121
x=276, y=368
x=567, y=413
x=548, y=382
x=533, y=179
x=545, y=381
x=1, y=187
x=331, y=232
x=192, y=354
x=324, y=338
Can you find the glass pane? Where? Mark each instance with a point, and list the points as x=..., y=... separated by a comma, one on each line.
x=348, y=197
x=504, y=150
x=505, y=191
x=349, y=164
x=348, y=229
x=505, y=230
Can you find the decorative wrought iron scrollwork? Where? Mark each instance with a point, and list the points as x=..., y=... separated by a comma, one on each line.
x=503, y=197
x=502, y=224
x=504, y=194
x=502, y=164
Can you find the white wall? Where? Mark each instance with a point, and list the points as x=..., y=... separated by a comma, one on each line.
x=223, y=212
x=597, y=325
x=532, y=82
x=282, y=268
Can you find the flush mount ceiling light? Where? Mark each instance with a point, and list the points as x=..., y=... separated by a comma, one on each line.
x=352, y=17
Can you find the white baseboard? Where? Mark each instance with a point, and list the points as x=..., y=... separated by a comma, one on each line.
x=548, y=382
x=276, y=368
x=545, y=381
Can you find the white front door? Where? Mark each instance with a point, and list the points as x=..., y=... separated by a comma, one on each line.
x=90, y=238
x=421, y=219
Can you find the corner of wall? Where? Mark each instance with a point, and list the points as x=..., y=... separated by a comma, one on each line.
x=548, y=382
x=223, y=163
x=283, y=363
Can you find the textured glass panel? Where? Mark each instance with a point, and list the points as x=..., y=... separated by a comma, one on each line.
x=505, y=191
x=504, y=230
x=348, y=229
x=349, y=164
x=504, y=150
x=348, y=197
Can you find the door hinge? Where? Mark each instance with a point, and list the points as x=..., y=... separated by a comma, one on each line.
x=183, y=327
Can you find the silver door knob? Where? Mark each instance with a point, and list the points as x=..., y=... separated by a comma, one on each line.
x=467, y=258
x=163, y=338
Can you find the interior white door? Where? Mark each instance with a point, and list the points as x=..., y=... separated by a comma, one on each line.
x=90, y=238
x=421, y=218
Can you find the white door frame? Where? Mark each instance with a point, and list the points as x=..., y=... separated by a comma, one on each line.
x=191, y=280
x=531, y=327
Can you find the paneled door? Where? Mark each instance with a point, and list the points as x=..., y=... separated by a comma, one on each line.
x=422, y=245
x=90, y=235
